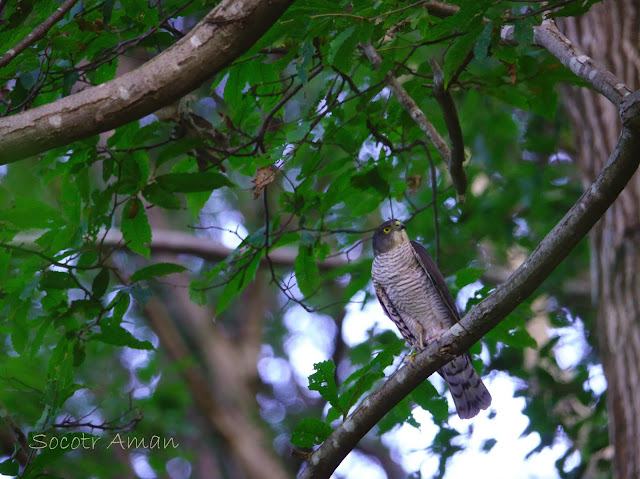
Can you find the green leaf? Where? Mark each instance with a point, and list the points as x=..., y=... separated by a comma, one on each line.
x=110, y=330
x=177, y=149
x=28, y=213
x=467, y=276
x=100, y=283
x=134, y=171
x=341, y=49
x=574, y=9
x=193, y=182
x=60, y=386
x=39, y=336
x=523, y=33
x=400, y=414
x=298, y=133
x=69, y=79
x=120, y=306
x=118, y=336
x=157, y=195
x=426, y=396
x=56, y=280
x=240, y=280
x=512, y=332
x=5, y=258
x=310, y=432
x=135, y=227
x=483, y=42
x=304, y=62
x=350, y=396
x=196, y=201
x=370, y=178
x=70, y=200
x=10, y=467
x=457, y=54
x=323, y=381
x=123, y=136
x=20, y=331
x=107, y=10
x=307, y=272
x=48, y=455
x=488, y=445
x=156, y=270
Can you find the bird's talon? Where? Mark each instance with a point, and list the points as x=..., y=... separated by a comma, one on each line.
x=410, y=357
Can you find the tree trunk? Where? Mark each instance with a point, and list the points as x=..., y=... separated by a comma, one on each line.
x=609, y=33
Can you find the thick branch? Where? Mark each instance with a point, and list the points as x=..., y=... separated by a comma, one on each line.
x=548, y=36
x=618, y=170
x=409, y=104
x=38, y=33
x=226, y=33
x=177, y=242
x=242, y=436
x=450, y=114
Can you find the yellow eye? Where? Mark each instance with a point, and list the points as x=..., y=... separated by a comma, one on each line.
x=386, y=230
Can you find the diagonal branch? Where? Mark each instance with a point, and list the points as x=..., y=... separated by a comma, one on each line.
x=548, y=36
x=409, y=104
x=226, y=33
x=622, y=164
x=38, y=33
x=241, y=434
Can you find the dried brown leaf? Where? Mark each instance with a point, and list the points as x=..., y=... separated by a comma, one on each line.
x=264, y=176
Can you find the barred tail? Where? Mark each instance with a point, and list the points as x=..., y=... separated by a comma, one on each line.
x=468, y=391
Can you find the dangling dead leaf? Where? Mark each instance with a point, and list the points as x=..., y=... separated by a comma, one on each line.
x=413, y=183
x=264, y=176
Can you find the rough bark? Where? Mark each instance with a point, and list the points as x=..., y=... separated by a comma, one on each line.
x=226, y=33
x=609, y=33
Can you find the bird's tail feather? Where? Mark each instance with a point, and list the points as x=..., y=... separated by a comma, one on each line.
x=468, y=391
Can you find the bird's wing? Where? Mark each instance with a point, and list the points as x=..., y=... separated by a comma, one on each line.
x=394, y=315
x=434, y=274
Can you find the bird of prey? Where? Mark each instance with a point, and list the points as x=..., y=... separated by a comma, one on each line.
x=413, y=293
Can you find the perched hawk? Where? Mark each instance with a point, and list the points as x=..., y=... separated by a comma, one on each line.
x=413, y=293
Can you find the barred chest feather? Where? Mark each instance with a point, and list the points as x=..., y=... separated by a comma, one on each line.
x=410, y=290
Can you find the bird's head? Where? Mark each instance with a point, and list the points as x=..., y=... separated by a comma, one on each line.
x=389, y=235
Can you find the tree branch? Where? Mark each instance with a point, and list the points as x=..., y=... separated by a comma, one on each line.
x=177, y=242
x=409, y=104
x=226, y=33
x=450, y=114
x=441, y=9
x=38, y=33
x=616, y=173
x=242, y=435
x=548, y=36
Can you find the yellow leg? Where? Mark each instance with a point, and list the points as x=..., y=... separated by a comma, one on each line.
x=420, y=337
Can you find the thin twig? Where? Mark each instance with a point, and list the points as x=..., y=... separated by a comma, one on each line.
x=434, y=200
x=38, y=33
